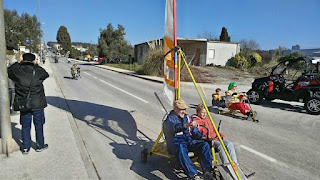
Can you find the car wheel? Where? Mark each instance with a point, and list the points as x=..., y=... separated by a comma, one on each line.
x=312, y=105
x=254, y=96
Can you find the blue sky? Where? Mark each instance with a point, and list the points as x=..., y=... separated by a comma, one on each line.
x=270, y=22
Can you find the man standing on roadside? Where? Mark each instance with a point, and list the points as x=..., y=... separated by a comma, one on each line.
x=28, y=77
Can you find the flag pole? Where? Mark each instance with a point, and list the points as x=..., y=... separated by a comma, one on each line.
x=176, y=72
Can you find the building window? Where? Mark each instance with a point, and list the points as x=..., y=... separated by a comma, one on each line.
x=211, y=53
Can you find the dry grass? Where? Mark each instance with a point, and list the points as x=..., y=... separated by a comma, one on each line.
x=200, y=74
x=153, y=63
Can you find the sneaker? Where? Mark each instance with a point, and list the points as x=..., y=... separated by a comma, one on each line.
x=207, y=175
x=44, y=148
x=25, y=151
x=196, y=177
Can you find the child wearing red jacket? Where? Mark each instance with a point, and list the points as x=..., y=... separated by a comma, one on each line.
x=202, y=119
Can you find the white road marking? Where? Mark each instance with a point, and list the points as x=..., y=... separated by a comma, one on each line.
x=118, y=88
x=259, y=154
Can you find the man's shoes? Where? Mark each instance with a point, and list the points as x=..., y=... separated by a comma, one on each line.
x=207, y=175
x=25, y=151
x=196, y=177
x=44, y=148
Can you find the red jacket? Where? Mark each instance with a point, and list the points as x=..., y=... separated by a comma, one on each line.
x=206, y=122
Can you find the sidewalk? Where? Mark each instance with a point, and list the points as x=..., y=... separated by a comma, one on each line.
x=66, y=156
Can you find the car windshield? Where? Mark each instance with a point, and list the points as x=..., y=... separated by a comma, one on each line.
x=294, y=70
x=280, y=68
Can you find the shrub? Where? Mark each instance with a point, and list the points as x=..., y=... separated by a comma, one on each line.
x=254, y=59
x=289, y=56
x=9, y=52
x=153, y=62
x=239, y=61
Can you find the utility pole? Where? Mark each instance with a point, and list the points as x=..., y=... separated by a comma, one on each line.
x=6, y=146
x=40, y=60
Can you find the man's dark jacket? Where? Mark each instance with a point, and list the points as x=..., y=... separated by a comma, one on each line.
x=21, y=75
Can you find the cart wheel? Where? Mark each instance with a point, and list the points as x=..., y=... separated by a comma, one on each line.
x=254, y=117
x=144, y=155
x=217, y=176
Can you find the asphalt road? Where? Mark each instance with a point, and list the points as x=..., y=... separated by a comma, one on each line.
x=117, y=114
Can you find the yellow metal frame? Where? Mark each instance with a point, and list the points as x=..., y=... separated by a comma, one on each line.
x=159, y=147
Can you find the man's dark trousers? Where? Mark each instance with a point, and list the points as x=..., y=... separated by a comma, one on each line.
x=38, y=121
x=200, y=148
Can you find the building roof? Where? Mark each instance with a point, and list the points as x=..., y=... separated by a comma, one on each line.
x=189, y=39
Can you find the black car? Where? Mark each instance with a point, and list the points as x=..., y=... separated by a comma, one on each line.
x=294, y=79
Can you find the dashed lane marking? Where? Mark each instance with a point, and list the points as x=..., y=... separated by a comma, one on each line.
x=259, y=154
x=118, y=88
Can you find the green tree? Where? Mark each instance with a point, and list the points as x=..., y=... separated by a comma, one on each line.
x=74, y=53
x=12, y=29
x=112, y=43
x=92, y=50
x=224, y=35
x=63, y=38
x=21, y=30
x=31, y=34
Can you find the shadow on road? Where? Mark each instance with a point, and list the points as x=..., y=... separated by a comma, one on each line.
x=283, y=106
x=66, y=77
x=121, y=123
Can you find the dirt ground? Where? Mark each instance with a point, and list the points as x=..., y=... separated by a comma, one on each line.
x=217, y=74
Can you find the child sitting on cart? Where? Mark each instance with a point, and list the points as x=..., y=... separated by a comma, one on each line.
x=234, y=100
x=202, y=119
x=217, y=100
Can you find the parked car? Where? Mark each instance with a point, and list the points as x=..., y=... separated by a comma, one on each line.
x=100, y=59
x=294, y=79
x=125, y=61
x=95, y=58
x=103, y=61
x=115, y=60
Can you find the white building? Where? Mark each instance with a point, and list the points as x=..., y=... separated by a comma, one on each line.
x=23, y=49
x=80, y=48
x=200, y=51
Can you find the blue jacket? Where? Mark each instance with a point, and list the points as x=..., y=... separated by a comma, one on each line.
x=176, y=133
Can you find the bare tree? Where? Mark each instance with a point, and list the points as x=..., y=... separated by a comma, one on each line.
x=208, y=35
x=248, y=46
